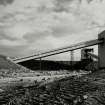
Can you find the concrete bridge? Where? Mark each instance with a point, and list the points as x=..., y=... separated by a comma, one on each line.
x=101, y=50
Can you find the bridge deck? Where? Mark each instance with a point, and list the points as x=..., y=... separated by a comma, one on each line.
x=60, y=50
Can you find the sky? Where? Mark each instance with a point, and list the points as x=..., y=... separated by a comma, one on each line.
x=28, y=27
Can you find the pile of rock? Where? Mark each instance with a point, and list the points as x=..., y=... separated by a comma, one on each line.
x=10, y=69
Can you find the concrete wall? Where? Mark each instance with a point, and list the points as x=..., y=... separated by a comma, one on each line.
x=101, y=51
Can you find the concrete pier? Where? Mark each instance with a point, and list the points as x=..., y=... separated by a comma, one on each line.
x=101, y=51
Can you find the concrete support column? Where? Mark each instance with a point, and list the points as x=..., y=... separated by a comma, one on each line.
x=40, y=64
x=101, y=51
x=72, y=59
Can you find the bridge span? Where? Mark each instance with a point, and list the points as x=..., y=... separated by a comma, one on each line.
x=60, y=50
x=99, y=42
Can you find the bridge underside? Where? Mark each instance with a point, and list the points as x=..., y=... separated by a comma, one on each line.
x=48, y=65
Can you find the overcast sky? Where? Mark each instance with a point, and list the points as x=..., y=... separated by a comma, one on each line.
x=29, y=26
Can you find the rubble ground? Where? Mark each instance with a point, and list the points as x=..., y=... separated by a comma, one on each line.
x=73, y=90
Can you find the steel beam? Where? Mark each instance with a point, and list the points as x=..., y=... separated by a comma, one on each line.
x=93, y=55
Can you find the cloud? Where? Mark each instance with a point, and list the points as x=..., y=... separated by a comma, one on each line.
x=34, y=36
x=94, y=11
x=68, y=24
x=4, y=36
x=13, y=51
x=6, y=2
x=62, y=5
x=46, y=24
x=6, y=42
